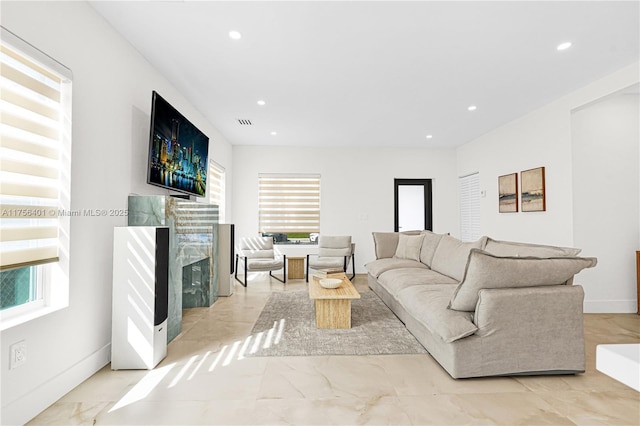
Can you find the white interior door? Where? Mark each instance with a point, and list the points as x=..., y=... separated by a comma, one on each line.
x=411, y=207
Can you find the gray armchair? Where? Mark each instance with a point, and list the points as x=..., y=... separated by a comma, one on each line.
x=333, y=252
x=257, y=255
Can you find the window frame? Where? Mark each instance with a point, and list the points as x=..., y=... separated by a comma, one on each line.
x=52, y=279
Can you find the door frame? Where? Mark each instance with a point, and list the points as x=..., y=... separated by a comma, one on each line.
x=428, y=205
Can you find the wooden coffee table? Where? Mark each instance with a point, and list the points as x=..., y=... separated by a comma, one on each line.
x=333, y=306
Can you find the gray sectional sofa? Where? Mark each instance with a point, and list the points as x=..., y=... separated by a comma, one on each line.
x=484, y=308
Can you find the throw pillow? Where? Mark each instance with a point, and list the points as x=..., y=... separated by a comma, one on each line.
x=409, y=247
x=429, y=245
x=452, y=254
x=485, y=270
x=385, y=243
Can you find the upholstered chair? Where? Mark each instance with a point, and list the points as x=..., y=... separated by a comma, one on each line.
x=257, y=255
x=333, y=252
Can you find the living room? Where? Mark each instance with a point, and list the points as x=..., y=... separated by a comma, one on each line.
x=112, y=85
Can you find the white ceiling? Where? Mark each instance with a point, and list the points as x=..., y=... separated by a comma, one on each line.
x=356, y=73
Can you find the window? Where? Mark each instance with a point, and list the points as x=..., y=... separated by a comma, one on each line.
x=19, y=286
x=289, y=207
x=470, y=207
x=35, y=147
x=216, y=185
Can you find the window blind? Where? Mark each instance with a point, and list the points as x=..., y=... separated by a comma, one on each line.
x=216, y=185
x=34, y=118
x=470, y=207
x=289, y=203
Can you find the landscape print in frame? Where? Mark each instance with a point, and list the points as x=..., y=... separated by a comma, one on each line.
x=508, y=193
x=533, y=190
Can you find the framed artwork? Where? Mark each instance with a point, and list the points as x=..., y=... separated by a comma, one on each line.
x=533, y=190
x=508, y=193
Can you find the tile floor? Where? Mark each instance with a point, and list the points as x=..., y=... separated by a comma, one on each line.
x=202, y=381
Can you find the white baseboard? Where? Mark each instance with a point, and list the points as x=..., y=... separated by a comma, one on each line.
x=30, y=405
x=620, y=361
x=610, y=306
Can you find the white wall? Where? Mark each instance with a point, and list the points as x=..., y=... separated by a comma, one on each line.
x=111, y=104
x=356, y=187
x=606, y=181
x=544, y=138
x=541, y=138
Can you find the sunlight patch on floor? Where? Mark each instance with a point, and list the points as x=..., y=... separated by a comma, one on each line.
x=218, y=358
x=144, y=387
x=182, y=372
x=195, y=370
x=226, y=356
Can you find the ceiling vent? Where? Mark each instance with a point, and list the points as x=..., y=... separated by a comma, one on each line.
x=244, y=121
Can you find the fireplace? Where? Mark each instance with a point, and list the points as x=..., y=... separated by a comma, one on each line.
x=195, y=283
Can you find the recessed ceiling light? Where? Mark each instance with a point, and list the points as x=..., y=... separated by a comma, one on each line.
x=472, y=108
x=564, y=46
x=235, y=35
x=274, y=133
x=261, y=102
x=429, y=136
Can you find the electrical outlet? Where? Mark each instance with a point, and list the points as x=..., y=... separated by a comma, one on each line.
x=18, y=354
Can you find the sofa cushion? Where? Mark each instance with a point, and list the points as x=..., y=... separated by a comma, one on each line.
x=377, y=267
x=429, y=245
x=451, y=256
x=396, y=279
x=409, y=247
x=510, y=248
x=428, y=305
x=393, y=287
x=485, y=270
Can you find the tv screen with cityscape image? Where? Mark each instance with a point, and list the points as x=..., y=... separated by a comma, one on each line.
x=178, y=151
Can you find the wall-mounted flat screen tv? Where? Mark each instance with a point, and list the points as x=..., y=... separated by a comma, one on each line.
x=178, y=151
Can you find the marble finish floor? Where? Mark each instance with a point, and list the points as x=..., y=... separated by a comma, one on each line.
x=204, y=381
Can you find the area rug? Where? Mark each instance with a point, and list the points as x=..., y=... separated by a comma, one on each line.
x=286, y=327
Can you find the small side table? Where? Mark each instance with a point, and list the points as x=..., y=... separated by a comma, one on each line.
x=295, y=266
